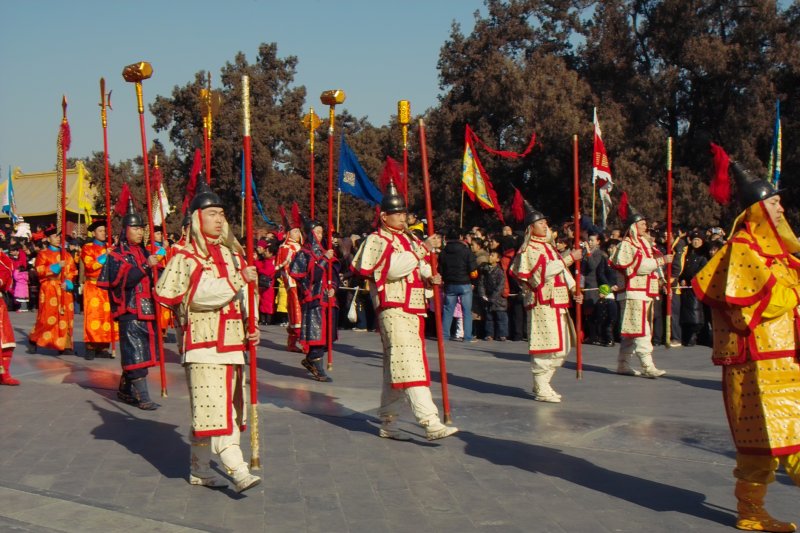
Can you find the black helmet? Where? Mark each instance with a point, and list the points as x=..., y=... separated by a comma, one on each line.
x=634, y=216
x=531, y=214
x=204, y=197
x=310, y=224
x=392, y=201
x=132, y=219
x=750, y=189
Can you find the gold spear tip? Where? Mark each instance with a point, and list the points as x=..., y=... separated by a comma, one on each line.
x=332, y=97
x=64, y=105
x=137, y=72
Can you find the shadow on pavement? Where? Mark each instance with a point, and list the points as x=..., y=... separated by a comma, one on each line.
x=138, y=436
x=479, y=386
x=553, y=462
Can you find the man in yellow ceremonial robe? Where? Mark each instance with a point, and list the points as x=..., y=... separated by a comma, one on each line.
x=54, y=321
x=99, y=329
x=753, y=288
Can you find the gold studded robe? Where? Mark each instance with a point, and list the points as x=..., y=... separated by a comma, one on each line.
x=752, y=286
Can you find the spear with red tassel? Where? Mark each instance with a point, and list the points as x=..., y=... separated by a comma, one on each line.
x=105, y=101
x=577, y=216
x=136, y=73
x=437, y=296
x=64, y=141
x=255, y=461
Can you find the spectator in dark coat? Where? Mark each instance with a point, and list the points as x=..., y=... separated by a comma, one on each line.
x=692, y=315
x=491, y=291
x=458, y=267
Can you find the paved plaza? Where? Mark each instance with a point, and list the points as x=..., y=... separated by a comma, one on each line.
x=619, y=454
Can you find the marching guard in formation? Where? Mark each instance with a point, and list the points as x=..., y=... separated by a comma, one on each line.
x=203, y=283
x=640, y=263
x=547, y=285
x=283, y=264
x=128, y=276
x=99, y=330
x=56, y=312
x=396, y=263
x=753, y=288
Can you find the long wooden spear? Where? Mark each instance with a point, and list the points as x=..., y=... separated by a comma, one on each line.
x=136, y=73
x=331, y=98
x=577, y=243
x=64, y=141
x=255, y=460
x=437, y=296
x=105, y=101
x=668, y=268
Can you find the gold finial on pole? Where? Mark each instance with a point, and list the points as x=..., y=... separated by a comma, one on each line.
x=404, y=117
x=64, y=108
x=136, y=73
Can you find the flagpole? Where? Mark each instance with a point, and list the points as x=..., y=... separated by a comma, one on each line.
x=255, y=460
x=404, y=117
x=668, y=268
x=577, y=244
x=437, y=296
x=311, y=122
x=461, y=219
x=331, y=99
x=338, y=207
x=65, y=140
x=104, y=101
x=136, y=73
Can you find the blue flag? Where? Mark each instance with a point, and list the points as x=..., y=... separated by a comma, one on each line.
x=352, y=178
x=9, y=206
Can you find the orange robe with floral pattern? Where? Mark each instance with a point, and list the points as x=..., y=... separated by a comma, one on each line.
x=98, y=326
x=53, y=328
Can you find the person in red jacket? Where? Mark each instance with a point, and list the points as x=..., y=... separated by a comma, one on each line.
x=7, y=343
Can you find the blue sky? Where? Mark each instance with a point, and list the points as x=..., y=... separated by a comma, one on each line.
x=377, y=51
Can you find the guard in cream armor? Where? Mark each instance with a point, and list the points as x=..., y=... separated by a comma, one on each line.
x=203, y=283
x=396, y=264
x=639, y=261
x=547, y=285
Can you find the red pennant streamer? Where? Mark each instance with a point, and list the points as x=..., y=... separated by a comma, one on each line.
x=503, y=153
x=518, y=207
x=720, y=187
x=622, y=210
x=191, y=186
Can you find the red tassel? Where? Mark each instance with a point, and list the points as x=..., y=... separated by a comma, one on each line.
x=121, y=207
x=191, y=186
x=376, y=222
x=297, y=220
x=720, y=187
x=391, y=173
x=518, y=207
x=66, y=136
x=622, y=209
x=284, y=218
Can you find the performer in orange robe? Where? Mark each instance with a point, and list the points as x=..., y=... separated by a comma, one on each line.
x=99, y=330
x=6, y=330
x=53, y=327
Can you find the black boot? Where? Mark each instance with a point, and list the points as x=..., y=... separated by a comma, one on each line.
x=124, y=392
x=319, y=364
x=143, y=401
x=31, y=346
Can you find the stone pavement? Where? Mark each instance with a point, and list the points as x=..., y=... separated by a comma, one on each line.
x=619, y=454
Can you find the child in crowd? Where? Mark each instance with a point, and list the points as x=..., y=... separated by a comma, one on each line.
x=491, y=290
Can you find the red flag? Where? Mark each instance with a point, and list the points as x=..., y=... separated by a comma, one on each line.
x=474, y=178
x=720, y=187
x=121, y=207
x=622, y=210
x=197, y=165
x=518, y=207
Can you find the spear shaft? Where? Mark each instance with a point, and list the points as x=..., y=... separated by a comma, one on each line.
x=577, y=244
x=668, y=268
x=104, y=121
x=255, y=460
x=437, y=296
